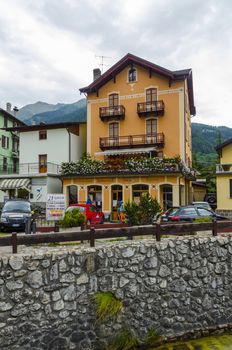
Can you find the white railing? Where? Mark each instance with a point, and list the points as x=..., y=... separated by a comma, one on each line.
x=36, y=168
x=223, y=168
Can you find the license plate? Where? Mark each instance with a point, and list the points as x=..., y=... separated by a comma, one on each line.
x=15, y=225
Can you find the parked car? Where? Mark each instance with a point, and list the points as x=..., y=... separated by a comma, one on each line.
x=92, y=214
x=189, y=213
x=15, y=214
x=202, y=205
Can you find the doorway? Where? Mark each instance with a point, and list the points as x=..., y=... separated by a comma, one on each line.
x=116, y=200
x=95, y=195
x=42, y=163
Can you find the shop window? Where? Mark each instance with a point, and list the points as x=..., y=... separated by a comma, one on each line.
x=138, y=191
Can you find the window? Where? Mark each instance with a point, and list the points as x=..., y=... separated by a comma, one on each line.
x=113, y=130
x=5, y=122
x=151, y=126
x=204, y=212
x=132, y=76
x=113, y=100
x=15, y=144
x=5, y=142
x=42, y=134
x=4, y=164
x=151, y=95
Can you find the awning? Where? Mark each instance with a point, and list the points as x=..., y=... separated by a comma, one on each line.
x=9, y=184
x=125, y=151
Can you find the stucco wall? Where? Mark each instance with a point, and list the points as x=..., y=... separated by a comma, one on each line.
x=175, y=286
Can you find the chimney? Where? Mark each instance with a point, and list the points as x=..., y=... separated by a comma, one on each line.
x=15, y=110
x=8, y=107
x=96, y=73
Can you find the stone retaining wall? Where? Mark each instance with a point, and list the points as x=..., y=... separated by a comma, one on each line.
x=175, y=286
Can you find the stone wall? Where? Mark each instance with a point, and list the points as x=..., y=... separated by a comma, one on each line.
x=175, y=286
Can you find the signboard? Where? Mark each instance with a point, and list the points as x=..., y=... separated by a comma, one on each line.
x=55, y=206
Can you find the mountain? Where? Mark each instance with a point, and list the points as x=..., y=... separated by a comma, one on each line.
x=204, y=137
x=27, y=112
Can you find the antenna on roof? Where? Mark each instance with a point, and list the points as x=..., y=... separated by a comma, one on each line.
x=102, y=64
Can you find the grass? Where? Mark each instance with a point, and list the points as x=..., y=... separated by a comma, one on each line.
x=107, y=305
x=124, y=340
x=152, y=338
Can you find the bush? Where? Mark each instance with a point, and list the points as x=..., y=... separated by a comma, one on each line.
x=131, y=214
x=144, y=213
x=107, y=305
x=148, y=209
x=72, y=218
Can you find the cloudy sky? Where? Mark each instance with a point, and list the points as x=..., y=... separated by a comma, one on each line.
x=48, y=48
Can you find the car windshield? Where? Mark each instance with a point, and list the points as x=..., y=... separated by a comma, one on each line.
x=81, y=209
x=171, y=211
x=17, y=206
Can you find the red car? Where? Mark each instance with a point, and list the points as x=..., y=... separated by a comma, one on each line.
x=93, y=216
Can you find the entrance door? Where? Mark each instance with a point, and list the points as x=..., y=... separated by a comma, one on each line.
x=116, y=200
x=42, y=163
x=95, y=195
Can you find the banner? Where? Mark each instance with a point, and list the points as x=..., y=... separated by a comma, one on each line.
x=55, y=206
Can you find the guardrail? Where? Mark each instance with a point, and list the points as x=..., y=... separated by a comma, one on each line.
x=93, y=234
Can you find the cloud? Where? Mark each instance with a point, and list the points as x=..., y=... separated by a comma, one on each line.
x=48, y=47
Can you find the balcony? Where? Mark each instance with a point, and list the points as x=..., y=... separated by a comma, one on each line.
x=223, y=168
x=150, y=108
x=30, y=169
x=109, y=113
x=132, y=141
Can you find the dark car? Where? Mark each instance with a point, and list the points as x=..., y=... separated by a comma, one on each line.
x=15, y=214
x=189, y=213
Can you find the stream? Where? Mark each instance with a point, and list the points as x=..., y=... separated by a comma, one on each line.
x=217, y=342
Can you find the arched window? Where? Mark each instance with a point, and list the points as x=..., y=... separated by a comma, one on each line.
x=138, y=191
x=72, y=194
x=132, y=75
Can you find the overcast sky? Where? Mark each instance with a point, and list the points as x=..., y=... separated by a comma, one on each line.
x=48, y=47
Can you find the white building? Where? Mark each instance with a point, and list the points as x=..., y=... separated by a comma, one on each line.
x=42, y=149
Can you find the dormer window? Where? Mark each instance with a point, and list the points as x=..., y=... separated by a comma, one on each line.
x=132, y=75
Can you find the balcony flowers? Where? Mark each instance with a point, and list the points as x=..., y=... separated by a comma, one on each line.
x=137, y=165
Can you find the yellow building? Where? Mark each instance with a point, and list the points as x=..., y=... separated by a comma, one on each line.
x=224, y=178
x=137, y=112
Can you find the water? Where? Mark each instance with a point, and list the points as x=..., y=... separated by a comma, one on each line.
x=219, y=342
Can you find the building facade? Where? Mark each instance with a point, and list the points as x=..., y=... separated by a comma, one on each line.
x=224, y=178
x=9, y=141
x=138, y=113
x=42, y=149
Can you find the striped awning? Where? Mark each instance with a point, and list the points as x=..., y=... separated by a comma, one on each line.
x=9, y=184
x=125, y=151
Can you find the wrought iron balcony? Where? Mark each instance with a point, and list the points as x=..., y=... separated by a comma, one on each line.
x=223, y=168
x=115, y=112
x=131, y=141
x=150, y=108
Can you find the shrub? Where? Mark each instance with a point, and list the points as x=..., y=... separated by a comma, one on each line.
x=72, y=218
x=144, y=213
x=131, y=213
x=107, y=305
x=148, y=209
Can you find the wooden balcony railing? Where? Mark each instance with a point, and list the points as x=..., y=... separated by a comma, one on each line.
x=108, y=113
x=155, y=108
x=132, y=141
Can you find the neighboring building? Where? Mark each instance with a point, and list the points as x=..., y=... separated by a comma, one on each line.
x=137, y=109
x=9, y=141
x=42, y=150
x=224, y=178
